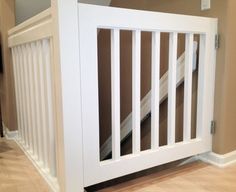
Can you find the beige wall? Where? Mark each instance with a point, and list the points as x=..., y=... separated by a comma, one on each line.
x=229, y=108
x=7, y=94
x=26, y=9
x=225, y=104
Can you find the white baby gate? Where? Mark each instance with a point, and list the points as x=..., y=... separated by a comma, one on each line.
x=55, y=63
x=92, y=18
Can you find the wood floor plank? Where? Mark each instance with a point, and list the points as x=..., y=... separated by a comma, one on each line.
x=195, y=177
x=17, y=174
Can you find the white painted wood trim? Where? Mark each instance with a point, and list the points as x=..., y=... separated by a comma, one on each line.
x=115, y=79
x=136, y=95
x=51, y=181
x=146, y=159
x=146, y=101
x=173, y=40
x=201, y=25
x=16, y=81
x=155, y=91
x=25, y=95
x=35, y=28
x=188, y=86
x=66, y=71
x=201, y=86
x=40, y=31
x=9, y=134
x=219, y=160
x=90, y=19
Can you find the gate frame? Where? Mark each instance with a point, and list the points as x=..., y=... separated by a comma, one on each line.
x=96, y=18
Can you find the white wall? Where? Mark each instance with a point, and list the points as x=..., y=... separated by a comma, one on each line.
x=28, y=8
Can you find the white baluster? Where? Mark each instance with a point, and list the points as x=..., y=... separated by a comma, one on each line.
x=188, y=86
x=115, y=78
x=25, y=95
x=155, y=93
x=201, y=79
x=172, y=87
x=29, y=97
x=21, y=92
x=16, y=82
x=43, y=103
x=136, y=79
x=49, y=107
x=36, y=85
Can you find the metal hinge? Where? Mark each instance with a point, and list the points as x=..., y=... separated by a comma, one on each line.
x=217, y=41
x=213, y=127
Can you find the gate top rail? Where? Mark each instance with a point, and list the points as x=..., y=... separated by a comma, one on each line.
x=33, y=29
x=110, y=17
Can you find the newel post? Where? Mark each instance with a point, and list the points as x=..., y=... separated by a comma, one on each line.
x=68, y=101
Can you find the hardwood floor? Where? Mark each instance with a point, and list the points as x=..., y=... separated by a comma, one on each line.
x=17, y=174
x=195, y=177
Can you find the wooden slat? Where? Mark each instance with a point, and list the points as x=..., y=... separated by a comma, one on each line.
x=201, y=79
x=41, y=70
x=155, y=92
x=188, y=86
x=115, y=79
x=136, y=85
x=15, y=62
x=32, y=99
x=36, y=82
x=49, y=107
x=29, y=96
x=172, y=87
x=25, y=95
x=21, y=92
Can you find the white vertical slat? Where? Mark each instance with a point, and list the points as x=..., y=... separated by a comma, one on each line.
x=49, y=109
x=136, y=79
x=16, y=82
x=19, y=59
x=25, y=96
x=201, y=73
x=31, y=100
x=18, y=86
x=42, y=103
x=29, y=95
x=21, y=91
x=28, y=112
x=54, y=168
x=115, y=79
x=36, y=83
x=188, y=86
x=15, y=61
x=155, y=93
x=172, y=87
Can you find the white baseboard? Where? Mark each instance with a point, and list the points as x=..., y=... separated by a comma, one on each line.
x=51, y=181
x=219, y=160
x=9, y=134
